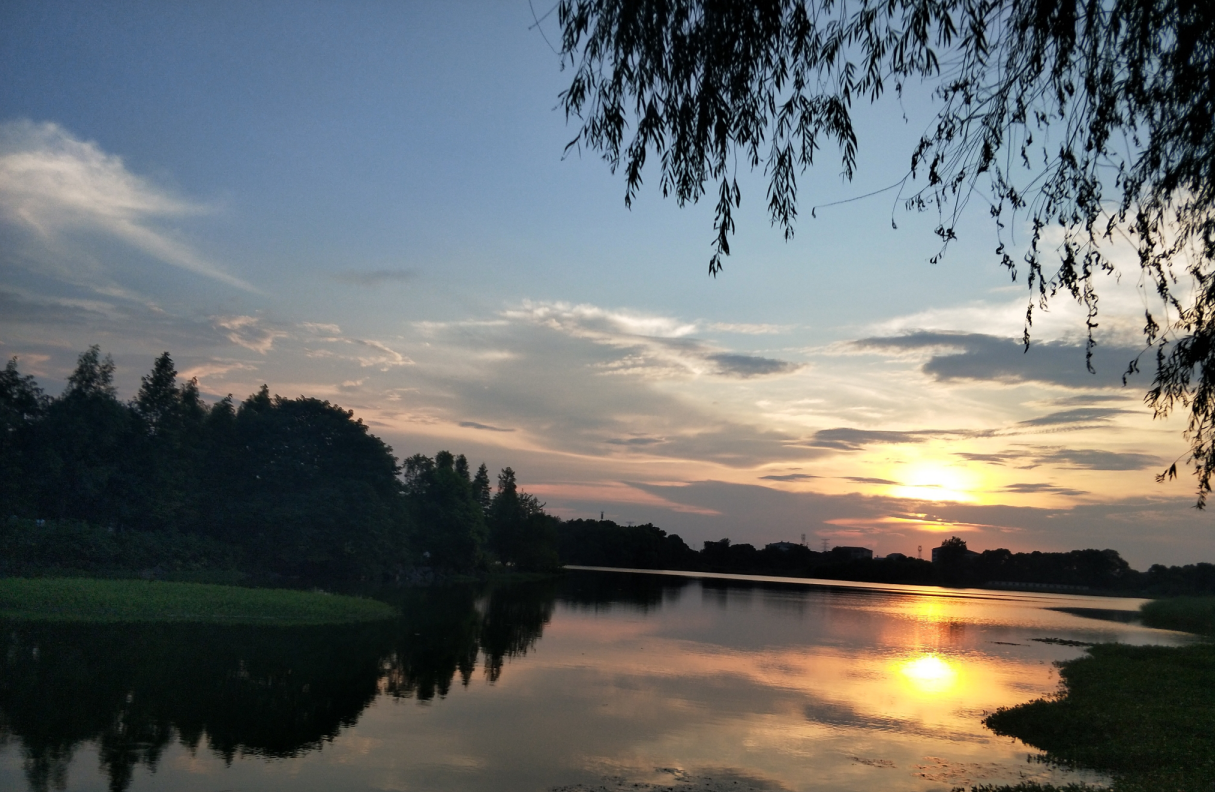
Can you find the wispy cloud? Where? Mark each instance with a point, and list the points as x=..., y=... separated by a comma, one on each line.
x=378, y=277
x=656, y=347
x=972, y=356
x=1038, y=488
x=483, y=427
x=249, y=332
x=743, y=328
x=790, y=477
x=53, y=184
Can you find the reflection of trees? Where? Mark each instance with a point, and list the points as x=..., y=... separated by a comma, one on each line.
x=604, y=590
x=134, y=689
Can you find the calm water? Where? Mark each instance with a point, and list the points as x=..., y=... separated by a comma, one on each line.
x=600, y=681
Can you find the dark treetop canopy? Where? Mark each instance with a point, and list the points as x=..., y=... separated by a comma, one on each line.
x=1092, y=117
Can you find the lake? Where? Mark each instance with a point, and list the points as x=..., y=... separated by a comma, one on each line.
x=597, y=681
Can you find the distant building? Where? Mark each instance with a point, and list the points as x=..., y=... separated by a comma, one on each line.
x=855, y=553
x=896, y=557
x=784, y=547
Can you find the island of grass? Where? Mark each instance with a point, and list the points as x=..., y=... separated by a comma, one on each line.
x=89, y=600
x=1143, y=714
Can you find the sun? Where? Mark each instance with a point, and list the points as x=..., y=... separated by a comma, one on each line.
x=935, y=482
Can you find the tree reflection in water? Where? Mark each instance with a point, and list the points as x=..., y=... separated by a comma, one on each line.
x=273, y=692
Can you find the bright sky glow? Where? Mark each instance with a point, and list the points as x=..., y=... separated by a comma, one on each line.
x=368, y=203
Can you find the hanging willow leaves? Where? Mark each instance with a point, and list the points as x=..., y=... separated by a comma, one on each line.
x=1093, y=121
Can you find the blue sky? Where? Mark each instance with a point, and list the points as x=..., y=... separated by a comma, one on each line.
x=368, y=202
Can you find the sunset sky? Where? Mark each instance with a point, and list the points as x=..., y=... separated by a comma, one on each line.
x=368, y=203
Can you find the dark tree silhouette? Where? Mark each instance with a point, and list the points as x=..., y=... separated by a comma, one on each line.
x=1093, y=119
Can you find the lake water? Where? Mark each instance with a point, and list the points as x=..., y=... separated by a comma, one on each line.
x=599, y=681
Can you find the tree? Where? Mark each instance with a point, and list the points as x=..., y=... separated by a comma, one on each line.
x=22, y=404
x=449, y=523
x=520, y=532
x=1092, y=118
x=480, y=488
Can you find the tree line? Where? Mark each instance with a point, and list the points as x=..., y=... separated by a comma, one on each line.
x=299, y=488
x=604, y=543
x=271, y=485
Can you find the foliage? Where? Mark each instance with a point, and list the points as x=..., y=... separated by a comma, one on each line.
x=1089, y=121
x=449, y=519
x=281, y=487
x=85, y=600
x=1145, y=714
x=1188, y=614
x=604, y=543
x=521, y=534
x=72, y=546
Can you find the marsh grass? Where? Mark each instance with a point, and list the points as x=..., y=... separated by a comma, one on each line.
x=1188, y=614
x=1143, y=714
x=91, y=600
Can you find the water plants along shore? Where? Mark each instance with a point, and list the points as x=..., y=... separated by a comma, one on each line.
x=91, y=600
x=1143, y=714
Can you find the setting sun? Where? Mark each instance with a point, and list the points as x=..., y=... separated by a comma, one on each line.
x=935, y=482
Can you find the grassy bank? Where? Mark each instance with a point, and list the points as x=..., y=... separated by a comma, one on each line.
x=1144, y=714
x=88, y=600
x=1188, y=614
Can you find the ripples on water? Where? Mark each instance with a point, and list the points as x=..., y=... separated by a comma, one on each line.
x=602, y=680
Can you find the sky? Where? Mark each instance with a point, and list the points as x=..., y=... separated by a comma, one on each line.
x=371, y=203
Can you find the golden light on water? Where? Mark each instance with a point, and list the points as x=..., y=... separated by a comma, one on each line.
x=929, y=674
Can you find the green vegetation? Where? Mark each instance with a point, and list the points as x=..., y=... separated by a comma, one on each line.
x=1144, y=714
x=271, y=487
x=85, y=600
x=1188, y=614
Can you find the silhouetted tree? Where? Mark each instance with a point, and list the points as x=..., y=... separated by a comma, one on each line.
x=22, y=405
x=520, y=533
x=449, y=524
x=481, y=489
x=82, y=466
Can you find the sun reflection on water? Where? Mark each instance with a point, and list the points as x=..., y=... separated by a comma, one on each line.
x=929, y=674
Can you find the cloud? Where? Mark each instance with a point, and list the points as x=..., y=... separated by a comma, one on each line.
x=1030, y=489
x=247, y=331
x=378, y=277
x=846, y=439
x=484, y=427
x=655, y=347
x=790, y=477
x=748, y=366
x=53, y=184
x=750, y=329
x=972, y=356
x=377, y=355
x=381, y=355
x=1081, y=415
x=868, y=480
x=1031, y=456
x=215, y=368
x=636, y=441
x=1093, y=459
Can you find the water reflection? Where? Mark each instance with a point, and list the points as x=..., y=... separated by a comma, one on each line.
x=929, y=674
x=772, y=684
x=134, y=690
